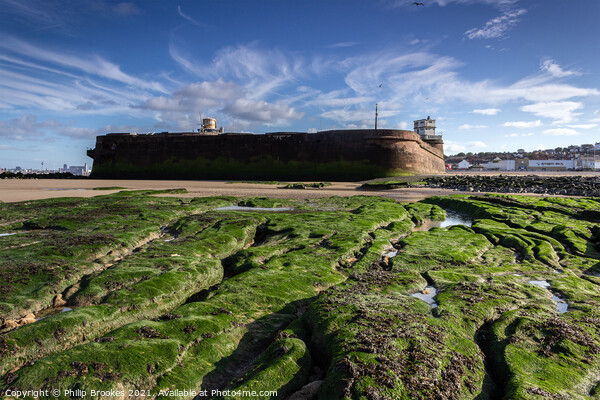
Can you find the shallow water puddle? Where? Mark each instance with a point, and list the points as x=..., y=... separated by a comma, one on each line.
x=164, y=230
x=391, y=254
x=455, y=218
x=561, y=305
x=244, y=208
x=427, y=295
x=51, y=311
x=452, y=218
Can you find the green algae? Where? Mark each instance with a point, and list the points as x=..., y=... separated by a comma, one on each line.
x=262, y=301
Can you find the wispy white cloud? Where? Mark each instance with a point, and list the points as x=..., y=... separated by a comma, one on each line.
x=195, y=97
x=443, y=3
x=347, y=115
x=489, y=2
x=219, y=97
x=452, y=147
x=487, y=111
x=343, y=45
x=496, y=27
x=25, y=126
x=259, y=71
x=583, y=126
x=469, y=126
x=260, y=111
x=522, y=124
x=398, y=73
x=519, y=134
x=560, y=132
x=478, y=144
x=338, y=98
x=554, y=69
x=560, y=111
x=92, y=65
x=30, y=127
x=426, y=75
x=188, y=18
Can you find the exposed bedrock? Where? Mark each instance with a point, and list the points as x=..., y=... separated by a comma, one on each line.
x=317, y=301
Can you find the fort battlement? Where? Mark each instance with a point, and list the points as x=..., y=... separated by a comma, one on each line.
x=333, y=155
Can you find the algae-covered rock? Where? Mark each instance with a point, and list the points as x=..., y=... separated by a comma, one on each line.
x=172, y=296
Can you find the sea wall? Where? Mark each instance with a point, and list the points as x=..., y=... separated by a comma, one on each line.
x=333, y=155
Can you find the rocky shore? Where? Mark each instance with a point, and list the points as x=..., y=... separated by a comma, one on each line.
x=571, y=185
x=339, y=297
x=552, y=185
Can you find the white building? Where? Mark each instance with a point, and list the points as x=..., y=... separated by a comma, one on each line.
x=77, y=169
x=551, y=165
x=588, y=163
x=500, y=165
x=425, y=127
x=464, y=164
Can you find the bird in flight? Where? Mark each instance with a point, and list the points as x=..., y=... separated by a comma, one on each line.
x=380, y=85
x=418, y=4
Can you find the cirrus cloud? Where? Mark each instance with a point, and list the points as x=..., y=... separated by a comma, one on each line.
x=560, y=132
x=522, y=124
x=554, y=69
x=487, y=111
x=560, y=111
x=496, y=27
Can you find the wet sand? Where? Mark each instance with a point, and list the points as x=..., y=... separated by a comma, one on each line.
x=12, y=190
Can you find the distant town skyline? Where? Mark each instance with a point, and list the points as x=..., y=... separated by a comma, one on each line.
x=497, y=75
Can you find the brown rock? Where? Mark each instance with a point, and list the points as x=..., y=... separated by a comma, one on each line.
x=28, y=319
x=58, y=301
x=10, y=324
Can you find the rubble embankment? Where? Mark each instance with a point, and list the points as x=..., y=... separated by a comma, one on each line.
x=588, y=186
x=552, y=185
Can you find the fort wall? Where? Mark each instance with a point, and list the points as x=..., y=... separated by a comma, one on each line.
x=332, y=155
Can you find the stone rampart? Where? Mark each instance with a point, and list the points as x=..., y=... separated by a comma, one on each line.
x=342, y=155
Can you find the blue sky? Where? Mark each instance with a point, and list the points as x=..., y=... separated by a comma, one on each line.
x=497, y=75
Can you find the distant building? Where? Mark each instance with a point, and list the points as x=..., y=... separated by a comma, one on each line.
x=551, y=165
x=586, y=147
x=464, y=164
x=597, y=146
x=588, y=163
x=500, y=165
x=425, y=127
x=77, y=169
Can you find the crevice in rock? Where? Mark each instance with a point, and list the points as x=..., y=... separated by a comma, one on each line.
x=494, y=382
x=230, y=370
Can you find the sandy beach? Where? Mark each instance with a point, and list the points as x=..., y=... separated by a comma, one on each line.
x=13, y=190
